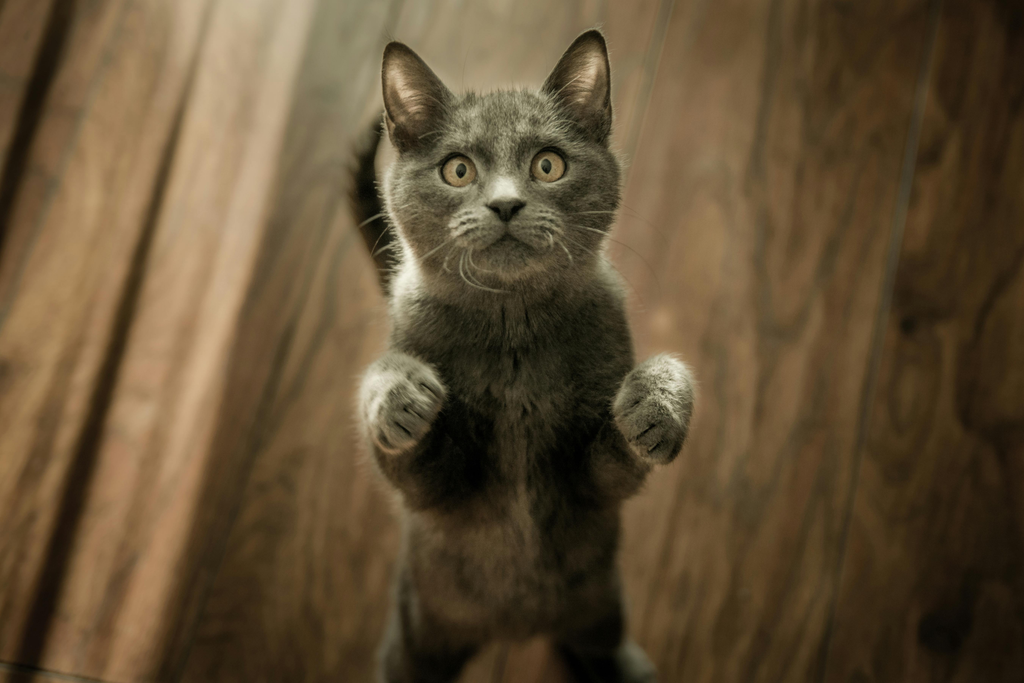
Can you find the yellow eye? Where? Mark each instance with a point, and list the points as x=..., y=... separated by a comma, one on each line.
x=458, y=171
x=548, y=166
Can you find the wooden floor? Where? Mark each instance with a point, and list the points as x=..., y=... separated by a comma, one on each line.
x=824, y=214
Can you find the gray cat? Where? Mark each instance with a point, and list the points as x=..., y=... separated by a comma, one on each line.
x=507, y=411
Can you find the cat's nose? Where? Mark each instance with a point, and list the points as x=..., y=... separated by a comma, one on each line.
x=506, y=207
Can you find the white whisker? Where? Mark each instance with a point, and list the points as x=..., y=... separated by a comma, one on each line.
x=623, y=244
x=578, y=245
x=616, y=269
x=434, y=250
x=370, y=220
x=566, y=250
x=475, y=266
x=462, y=274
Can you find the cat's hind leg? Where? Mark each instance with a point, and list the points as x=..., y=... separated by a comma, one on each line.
x=627, y=663
x=418, y=649
x=600, y=652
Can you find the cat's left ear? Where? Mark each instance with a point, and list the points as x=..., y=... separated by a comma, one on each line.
x=581, y=84
x=415, y=99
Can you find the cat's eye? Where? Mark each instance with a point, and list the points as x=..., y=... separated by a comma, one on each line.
x=458, y=171
x=548, y=166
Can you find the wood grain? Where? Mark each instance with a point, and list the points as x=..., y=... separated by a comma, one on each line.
x=98, y=506
x=10, y=674
x=933, y=583
x=68, y=251
x=287, y=320
x=31, y=37
x=23, y=26
x=771, y=156
x=185, y=307
x=155, y=446
x=303, y=589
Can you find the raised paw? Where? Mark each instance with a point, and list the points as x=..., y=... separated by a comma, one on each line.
x=653, y=408
x=399, y=399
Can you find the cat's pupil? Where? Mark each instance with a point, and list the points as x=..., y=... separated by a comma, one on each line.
x=460, y=170
x=545, y=165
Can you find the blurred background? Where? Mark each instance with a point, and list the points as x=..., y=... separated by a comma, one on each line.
x=823, y=213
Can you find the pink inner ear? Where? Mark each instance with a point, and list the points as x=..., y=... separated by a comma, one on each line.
x=410, y=102
x=413, y=96
x=589, y=82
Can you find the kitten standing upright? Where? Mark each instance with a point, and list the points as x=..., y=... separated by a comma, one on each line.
x=507, y=410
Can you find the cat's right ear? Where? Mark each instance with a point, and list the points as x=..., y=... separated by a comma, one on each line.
x=415, y=99
x=581, y=84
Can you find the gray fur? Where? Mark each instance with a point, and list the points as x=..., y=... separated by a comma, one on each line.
x=507, y=410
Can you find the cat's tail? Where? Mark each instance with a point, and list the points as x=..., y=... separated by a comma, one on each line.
x=366, y=205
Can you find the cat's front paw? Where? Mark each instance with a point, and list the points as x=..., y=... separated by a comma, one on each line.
x=653, y=408
x=400, y=397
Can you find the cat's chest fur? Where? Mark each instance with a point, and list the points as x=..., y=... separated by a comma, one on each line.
x=508, y=520
x=524, y=382
x=523, y=408
x=527, y=392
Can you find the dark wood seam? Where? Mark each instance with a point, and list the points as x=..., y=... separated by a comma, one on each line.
x=78, y=479
x=44, y=71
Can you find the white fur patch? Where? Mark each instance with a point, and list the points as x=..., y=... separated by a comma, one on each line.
x=503, y=187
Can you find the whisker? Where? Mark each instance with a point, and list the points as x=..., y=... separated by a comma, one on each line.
x=373, y=250
x=370, y=220
x=632, y=213
x=640, y=256
x=467, y=255
x=462, y=274
x=434, y=251
x=643, y=304
x=475, y=266
x=386, y=248
x=643, y=218
x=578, y=245
x=566, y=250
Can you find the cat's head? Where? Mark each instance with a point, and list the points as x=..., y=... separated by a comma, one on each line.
x=506, y=190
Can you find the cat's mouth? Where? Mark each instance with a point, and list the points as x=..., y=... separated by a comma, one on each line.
x=503, y=242
x=506, y=239
x=506, y=252
x=526, y=245
x=529, y=237
x=509, y=258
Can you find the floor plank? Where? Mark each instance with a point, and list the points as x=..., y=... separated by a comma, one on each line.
x=12, y=674
x=771, y=156
x=933, y=583
x=185, y=308
x=155, y=450
x=66, y=258
x=287, y=318
x=23, y=25
x=303, y=589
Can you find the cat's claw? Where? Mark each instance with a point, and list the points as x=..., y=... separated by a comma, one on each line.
x=653, y=407
x=400, y=398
